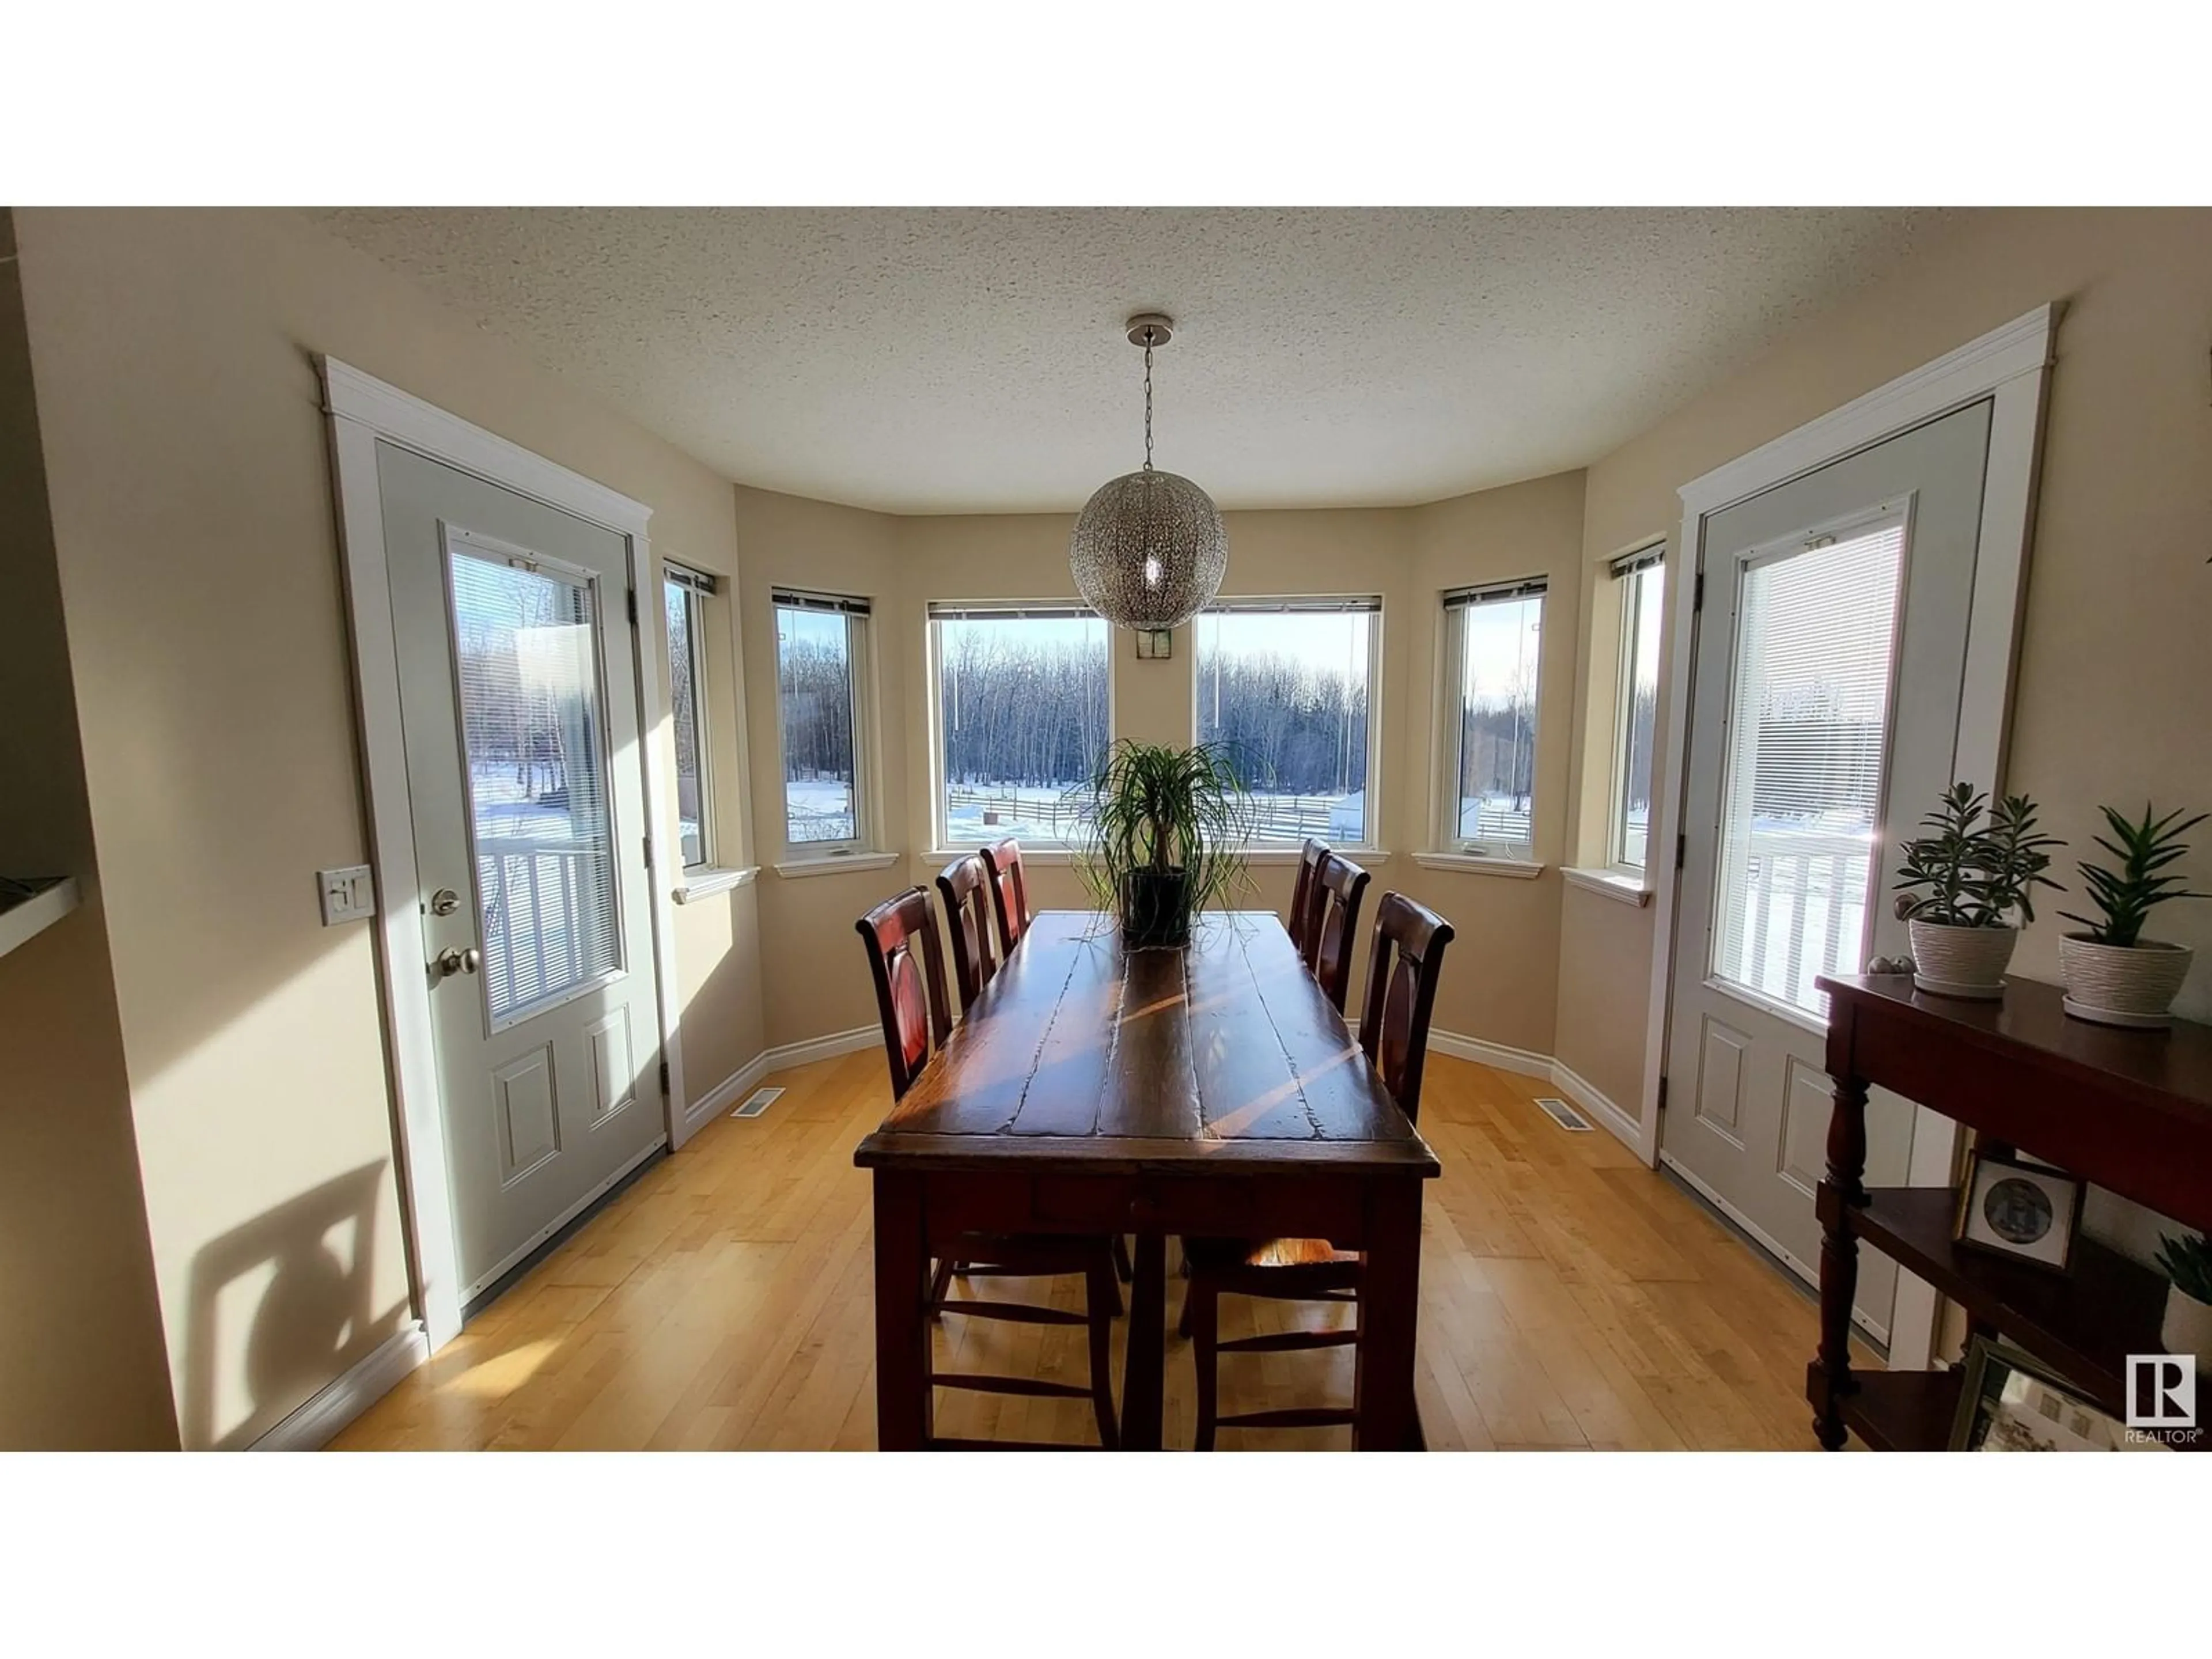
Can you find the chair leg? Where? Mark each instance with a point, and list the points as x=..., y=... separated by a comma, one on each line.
x=939, y=1283
x=1099, y=1289
x=1201, y=1311
x=1121, y=1268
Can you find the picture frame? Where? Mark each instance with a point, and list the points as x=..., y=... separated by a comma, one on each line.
x=2012, y=1207
x=2012, y=1402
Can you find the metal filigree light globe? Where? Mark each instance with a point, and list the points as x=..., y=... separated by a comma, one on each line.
x=1149, y=551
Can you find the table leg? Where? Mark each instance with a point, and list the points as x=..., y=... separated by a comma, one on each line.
x=903, y=1392
x=1831, y=1378
x=1384, y=1418
x=1144, y=1367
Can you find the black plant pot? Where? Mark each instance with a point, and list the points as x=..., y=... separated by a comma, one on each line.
x=1155, y=908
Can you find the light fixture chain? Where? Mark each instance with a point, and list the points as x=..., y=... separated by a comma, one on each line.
x=1148, y=401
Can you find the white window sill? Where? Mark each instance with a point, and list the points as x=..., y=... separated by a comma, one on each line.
x=1474, y=864
x=837, y=865
x=42, y=903
x=1050, y=857
x=1613, y=883
x=705, y=882
x=1267, y=858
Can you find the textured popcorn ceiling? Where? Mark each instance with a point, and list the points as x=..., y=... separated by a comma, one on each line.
x=940, y=361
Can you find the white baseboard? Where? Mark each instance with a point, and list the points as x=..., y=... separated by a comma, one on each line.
x=338, y=1402
x=732, y=1088
x=768, y=1061
x=1594, y=1101
x=1496, y=1055
x=821, y=1048
x=1527, y=1062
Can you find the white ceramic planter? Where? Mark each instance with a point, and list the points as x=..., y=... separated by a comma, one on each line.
x=2188, y=1326
x=2122, y=984
x=1962, y=962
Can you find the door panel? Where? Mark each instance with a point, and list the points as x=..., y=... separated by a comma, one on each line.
x=1824, y=717
x=518, y=699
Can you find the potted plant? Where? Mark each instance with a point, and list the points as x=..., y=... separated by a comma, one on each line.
x=1971, y=882
x=2188, y=1326
x=2113, y=975
x=1165, y=828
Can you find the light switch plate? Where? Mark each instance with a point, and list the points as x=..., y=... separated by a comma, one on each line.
x=347, y=895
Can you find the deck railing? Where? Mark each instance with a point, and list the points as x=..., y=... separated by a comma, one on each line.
x=547, y=917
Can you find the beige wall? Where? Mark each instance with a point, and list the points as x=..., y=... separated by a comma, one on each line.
x=77, y=1370
x=814, y=984
x=192, y=547
x=1499, y=979
x=188, y=475
x=2114, y=678
x=1500, y=985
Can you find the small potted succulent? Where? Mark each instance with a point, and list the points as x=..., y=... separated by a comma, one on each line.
x=2113, y=975
x=1961, y=886
x=2188, y=1326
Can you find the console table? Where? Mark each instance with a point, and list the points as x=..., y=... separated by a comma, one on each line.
x=2128, y=1111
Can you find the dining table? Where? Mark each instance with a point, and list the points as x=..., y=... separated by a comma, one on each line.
x=1205, y=1090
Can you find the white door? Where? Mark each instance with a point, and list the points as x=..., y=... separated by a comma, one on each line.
x=1824, y=717
x=519, y=701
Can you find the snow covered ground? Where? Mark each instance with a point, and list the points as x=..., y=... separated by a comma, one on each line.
x=977, y=813
x=818, y=808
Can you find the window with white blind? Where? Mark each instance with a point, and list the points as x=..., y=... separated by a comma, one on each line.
x=1492, y=663
x=1642, y=577
x=1808, y=727
x=684, y=593
x=1024, y=714
x=1285, y=689
x=821, y=669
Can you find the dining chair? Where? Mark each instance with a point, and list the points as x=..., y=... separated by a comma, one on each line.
x=1010, y=892
x=910, y=1000
x=1393, y=1034
x=1339, y=886
x=1301, y=894
x=965, y=884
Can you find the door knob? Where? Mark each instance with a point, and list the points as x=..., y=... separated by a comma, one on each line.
x=451, y=961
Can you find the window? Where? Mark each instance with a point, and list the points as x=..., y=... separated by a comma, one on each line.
x=1286, y=689
x=684, y=593
x=1023, y=716
x=1808, y=723
x=821, y=665
x=1493, y=652
x=1642, y=577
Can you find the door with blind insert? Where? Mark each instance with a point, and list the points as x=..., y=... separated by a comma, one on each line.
x=1824, y=716
x=518, y=703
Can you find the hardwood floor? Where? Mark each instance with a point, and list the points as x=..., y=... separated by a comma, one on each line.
x=1571, y=1299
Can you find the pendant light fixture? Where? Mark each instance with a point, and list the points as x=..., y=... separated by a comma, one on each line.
x=1149, y=551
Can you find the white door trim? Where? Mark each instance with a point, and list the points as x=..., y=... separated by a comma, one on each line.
x=2010, y=365
x=362, y=411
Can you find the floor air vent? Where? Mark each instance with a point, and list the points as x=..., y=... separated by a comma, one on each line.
x=757, y=1103
x=1562, y=1114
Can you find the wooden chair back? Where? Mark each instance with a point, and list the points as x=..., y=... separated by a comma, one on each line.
x=909, y=994
x=1401, y=994
x=966, y=885
x=1010, y=892
x=1302, y=897
x=1339, y=886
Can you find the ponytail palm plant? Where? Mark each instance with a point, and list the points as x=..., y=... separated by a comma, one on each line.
x=1165, y=830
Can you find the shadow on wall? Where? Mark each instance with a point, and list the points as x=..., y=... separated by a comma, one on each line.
x=304, y=1269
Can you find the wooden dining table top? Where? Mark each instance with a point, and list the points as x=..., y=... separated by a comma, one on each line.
x=1082, y=1056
